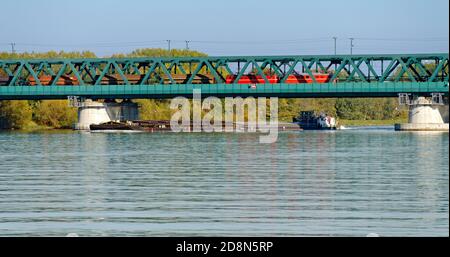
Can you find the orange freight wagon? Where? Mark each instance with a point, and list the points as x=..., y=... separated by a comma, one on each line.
x=306, y=78
x=251, y=79
x=47, y=80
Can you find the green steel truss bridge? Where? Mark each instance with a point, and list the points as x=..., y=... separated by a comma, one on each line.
x=130, y=78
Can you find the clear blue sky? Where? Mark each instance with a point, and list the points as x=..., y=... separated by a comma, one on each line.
x=226, y=27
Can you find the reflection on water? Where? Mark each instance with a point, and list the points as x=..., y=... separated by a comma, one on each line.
x=350, y=182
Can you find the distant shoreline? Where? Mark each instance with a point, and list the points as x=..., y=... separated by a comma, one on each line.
x=371, y=122
x=340, y=122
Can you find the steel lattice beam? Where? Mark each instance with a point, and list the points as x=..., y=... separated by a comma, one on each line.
x=355, y=75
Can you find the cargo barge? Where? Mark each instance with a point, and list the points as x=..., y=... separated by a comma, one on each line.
x=137, y=125
x=164, y=125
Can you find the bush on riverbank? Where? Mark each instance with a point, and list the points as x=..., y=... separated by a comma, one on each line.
x=55, y=114
x=15, y=114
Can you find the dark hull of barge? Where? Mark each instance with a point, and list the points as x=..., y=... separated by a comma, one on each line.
x=164, y=125
x=146, y=126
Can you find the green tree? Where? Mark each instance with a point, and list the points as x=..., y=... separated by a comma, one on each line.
x=55, y=113
x=159, y=52
x=151, y=109
x=368, y=109
x=15, y=114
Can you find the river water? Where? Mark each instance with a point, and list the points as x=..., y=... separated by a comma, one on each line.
x=322, y=183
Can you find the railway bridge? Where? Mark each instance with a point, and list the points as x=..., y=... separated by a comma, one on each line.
x=419, y=80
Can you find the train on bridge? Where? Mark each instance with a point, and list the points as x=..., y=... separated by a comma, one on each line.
x=223, y=76
x=116, y=79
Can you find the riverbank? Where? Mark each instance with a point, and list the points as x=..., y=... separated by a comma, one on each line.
x=371, y=122
x=33, y=127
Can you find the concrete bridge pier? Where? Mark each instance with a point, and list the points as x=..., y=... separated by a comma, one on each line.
x=94, y=112
x=425, y=114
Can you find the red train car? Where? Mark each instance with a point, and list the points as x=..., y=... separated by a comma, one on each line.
x=306, y=78
x=199, y=79
x=251, y=79
x=291, y=79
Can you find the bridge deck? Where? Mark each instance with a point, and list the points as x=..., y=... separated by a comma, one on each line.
x=283, y=76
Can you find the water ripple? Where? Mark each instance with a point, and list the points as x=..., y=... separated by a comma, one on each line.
x=344, y=183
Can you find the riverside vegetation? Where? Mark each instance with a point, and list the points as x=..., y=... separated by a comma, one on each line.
x=48, y=114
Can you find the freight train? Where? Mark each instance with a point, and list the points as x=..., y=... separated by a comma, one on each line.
x=116, y=79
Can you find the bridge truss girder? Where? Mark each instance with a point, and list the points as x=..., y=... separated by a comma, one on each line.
x=417, y=69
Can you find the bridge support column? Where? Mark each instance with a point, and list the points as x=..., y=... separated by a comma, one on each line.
x=94, y=112
x=425, y=114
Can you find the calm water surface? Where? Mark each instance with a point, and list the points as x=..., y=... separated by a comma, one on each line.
x=349, y=182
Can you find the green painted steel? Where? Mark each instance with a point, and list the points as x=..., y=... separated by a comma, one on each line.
x=349, y=76
x=351, y=89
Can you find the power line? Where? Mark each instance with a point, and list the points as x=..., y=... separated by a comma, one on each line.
x=281, y=46
x=224, y=42
x=403, y=39
x=262, y=42
x=110, y=44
